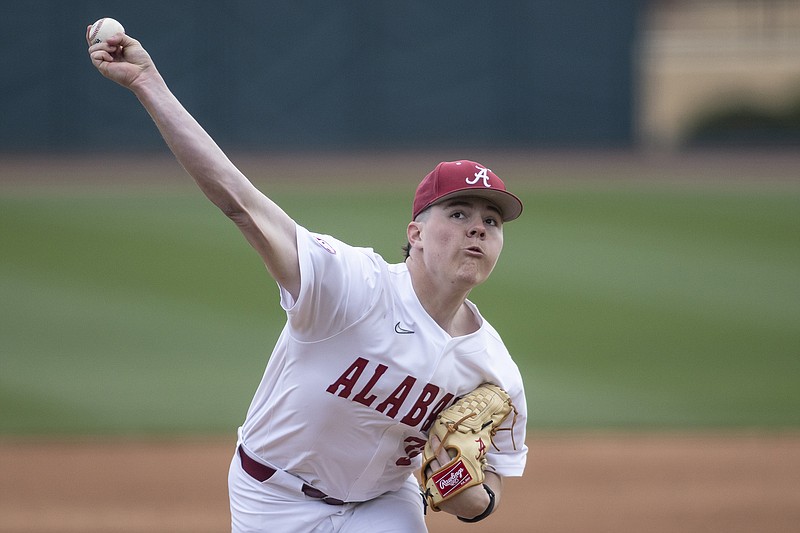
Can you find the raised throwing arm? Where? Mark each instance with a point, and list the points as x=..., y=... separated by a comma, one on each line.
x=264, y=224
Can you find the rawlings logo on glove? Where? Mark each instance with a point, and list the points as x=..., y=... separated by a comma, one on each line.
x=451, y=478
x=463, y=429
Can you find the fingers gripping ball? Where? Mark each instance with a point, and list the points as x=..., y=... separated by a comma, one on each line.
x=465, y=430
x=102, y=30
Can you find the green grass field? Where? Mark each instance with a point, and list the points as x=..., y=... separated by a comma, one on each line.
x=626, y=305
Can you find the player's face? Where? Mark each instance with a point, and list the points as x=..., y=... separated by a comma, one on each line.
x=462, y=239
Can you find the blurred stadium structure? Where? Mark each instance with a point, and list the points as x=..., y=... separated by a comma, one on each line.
x=413, y=74
x=701, y=56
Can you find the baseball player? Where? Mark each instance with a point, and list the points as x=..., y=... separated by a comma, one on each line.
x=371, y=352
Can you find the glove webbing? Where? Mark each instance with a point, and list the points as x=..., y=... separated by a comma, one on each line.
x=452, y=427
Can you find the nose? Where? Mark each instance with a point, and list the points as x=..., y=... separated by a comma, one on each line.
x=478, y=230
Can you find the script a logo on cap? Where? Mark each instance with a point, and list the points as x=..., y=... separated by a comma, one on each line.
x=482, y=174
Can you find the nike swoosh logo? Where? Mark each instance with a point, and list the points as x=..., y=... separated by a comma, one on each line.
x=400, y=330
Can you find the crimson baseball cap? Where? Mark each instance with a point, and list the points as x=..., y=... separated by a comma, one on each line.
x=465, y=178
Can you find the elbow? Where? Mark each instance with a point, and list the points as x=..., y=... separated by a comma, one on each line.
x=238, y=215
x=231, y=206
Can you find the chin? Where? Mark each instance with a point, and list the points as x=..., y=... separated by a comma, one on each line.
x=472, y=279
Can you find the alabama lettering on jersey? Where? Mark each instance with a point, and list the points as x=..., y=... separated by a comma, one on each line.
x=360, y=372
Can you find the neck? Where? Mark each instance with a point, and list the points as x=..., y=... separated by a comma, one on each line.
x=446, y=305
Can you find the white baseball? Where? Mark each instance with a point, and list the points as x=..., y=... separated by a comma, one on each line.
x=103, y=29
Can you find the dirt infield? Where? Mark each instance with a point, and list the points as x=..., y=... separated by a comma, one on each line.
x=574, y=483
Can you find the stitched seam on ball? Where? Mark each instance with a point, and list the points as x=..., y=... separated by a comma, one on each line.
x=99, y=25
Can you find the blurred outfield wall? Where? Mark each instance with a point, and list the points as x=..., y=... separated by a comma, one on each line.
x=321, y=74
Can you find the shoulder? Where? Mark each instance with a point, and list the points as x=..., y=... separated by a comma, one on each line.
x=320, y=247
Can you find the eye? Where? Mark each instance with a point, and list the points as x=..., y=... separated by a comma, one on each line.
x=458, y=214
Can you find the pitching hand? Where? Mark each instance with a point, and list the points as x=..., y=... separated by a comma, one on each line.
x=122, y=59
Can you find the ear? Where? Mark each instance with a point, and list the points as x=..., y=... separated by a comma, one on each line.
x=414, y=233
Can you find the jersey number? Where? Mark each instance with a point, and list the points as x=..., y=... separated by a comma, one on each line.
x=414, y=446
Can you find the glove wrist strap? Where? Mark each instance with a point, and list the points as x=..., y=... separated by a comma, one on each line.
x=488, y=510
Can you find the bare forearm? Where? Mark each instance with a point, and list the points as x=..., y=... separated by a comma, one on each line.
x=196, y=151
x=266, y=226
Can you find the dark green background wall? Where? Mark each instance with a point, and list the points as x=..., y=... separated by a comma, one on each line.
x=329, y=74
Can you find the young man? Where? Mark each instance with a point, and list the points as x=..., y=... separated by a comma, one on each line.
x=371, y=352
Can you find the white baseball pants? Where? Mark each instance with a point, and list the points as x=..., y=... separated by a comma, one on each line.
x=278, y=505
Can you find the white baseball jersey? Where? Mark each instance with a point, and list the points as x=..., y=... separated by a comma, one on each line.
x=360, y=372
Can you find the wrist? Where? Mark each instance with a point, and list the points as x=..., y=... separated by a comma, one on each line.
x=148, y=84
x=489, y=509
